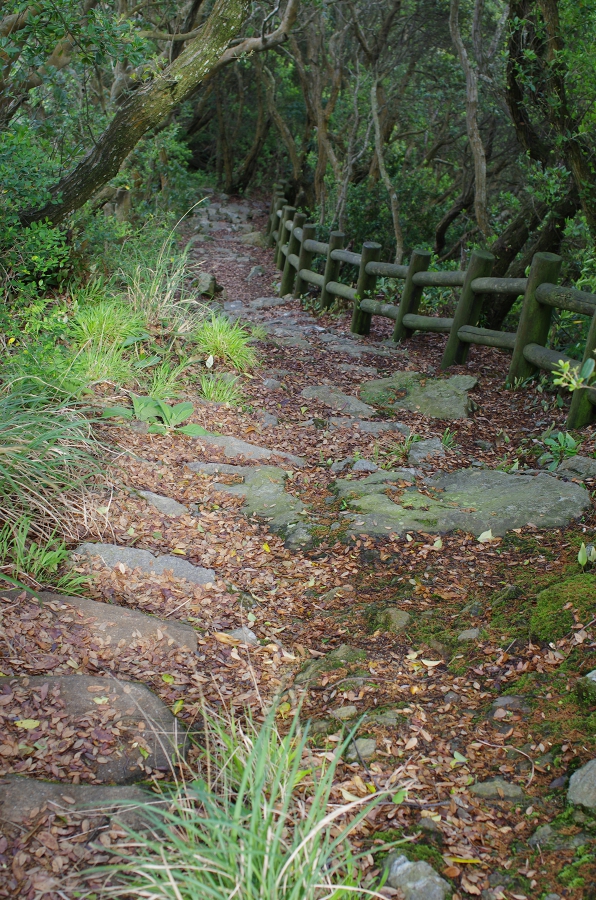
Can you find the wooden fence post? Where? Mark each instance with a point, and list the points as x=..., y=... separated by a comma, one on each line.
x=277, y=195
x=336, y=242
x=582, y=410
x=288, y=213
x=309, y=233
x=411, y=294
x=278, y=204
x=287, y=279
x=360, y=319
x=535, y=317
x=468, y=308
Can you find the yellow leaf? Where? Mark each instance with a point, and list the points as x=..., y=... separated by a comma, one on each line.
x=72, y=663
x=266, y=548
x=224, y=638
x=179, y=551
x=462, y=860
x=430, y=663
x=347, y=796
x=413, y=742
x=28, y=724
x=101, y=700
x=284, y=709
x=11, y=340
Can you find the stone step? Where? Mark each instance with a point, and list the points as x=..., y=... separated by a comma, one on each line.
x=95, y=706
x=112, y=624
x=147, y=562
x=24, y=799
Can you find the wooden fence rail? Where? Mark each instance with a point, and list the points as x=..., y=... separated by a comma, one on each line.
x=295, y=247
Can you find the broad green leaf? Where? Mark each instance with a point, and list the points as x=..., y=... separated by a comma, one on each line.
x=459, y=757
x=157, y=428
x=177, y=707
x=399, y=797
x=145, y=408
x=165, y=412
x=180, y=412
x=113, y=412
x=582, y=556
x=169, y=679
x=193, y=430
x=144, y=753
x=135, y=339
x=147, y=363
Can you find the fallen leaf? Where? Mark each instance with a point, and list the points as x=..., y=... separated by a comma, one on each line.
x=28, y=724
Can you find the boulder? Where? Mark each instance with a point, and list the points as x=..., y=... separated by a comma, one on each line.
x=343, y=657
x=361, y=749
x=582, y=786
x=395, y=620
x=235, y=447
x=578, y=467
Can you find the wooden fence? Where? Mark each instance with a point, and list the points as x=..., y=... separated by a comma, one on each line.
x=295, y=247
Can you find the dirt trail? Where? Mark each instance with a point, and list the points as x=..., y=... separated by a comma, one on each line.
x=316, y=570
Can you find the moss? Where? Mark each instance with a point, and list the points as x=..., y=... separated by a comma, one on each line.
x=550, y=621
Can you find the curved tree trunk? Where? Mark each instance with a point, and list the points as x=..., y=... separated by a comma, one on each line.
x=147, y=106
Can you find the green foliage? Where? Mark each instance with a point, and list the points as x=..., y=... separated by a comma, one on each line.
x=36, y=258
x=227, y=342
x=36, y=562
x=148, y=409
x=560, y=446
x=256, y=822
x=448, y=439
x=166, y=380
x=218, y=388
x=107, y=323
x=47, y=457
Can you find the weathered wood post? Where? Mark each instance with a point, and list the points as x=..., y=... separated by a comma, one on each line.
x=468, y=308
x=309, y=233
x=287, y=213
x=277, y=194
x=336, y=242
x=411, y=294
x=287, y=279
x=277, y=206
x=582, y=410
x=534, y=321
x=361, y=320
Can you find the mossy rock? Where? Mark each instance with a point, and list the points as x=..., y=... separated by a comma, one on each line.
x=344, y=657
x=550, y=621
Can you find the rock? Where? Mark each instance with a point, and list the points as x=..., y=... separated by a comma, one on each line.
x=111, y=555
x=416, y=880
x=510, y=701
x=343, y=657
x=21, y=797
x=470, y=634
x=582, y=786
x=111, y=624
x=255, y=272
x=344, y=712
x=161, y=734
x=245, y=635
x=364, y=465
x=263, y=490
x=452, y=697
x=387, y=717
x=421, y=451
x=254, y=239
x=396, y=620
x=235, y=306
x=234, y=447
x=547, y=838
x=552, y=617
x=164, y=504
x=267, y=302
x=340, y=464
x=444, y=398
x=586, y=688
x=267, y=419
x=354, y=367
x=205, y=283
x=470, y=500
x=474, y=608
x=483, y=445
x=272, y=384
x=365, y=427
x=497, y=789
x=361, y=748
x=577, y=467
x=335, y=399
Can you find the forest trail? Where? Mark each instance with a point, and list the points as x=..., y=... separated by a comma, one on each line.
x=352, y=542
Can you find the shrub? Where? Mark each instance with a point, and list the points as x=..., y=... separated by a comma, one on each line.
x=227, y=342
x=47, y=456
x=257, y=823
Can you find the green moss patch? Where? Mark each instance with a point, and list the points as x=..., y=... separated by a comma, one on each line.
x=550, y=620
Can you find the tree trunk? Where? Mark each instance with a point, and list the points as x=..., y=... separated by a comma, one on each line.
x=393, y=199
x=146, y=107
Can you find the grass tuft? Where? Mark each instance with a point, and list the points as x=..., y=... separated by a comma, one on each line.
x=220, y=389
x=106, y=323
x=36, y=562
x=226, y=342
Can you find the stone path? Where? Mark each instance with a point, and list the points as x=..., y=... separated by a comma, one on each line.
x=330, y=467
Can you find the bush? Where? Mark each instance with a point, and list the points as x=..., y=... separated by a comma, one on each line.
x=257, y=823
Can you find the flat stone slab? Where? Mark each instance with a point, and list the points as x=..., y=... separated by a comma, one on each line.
x=112, y=624
x=112, y=554
x=164, y=504
x=438, y=398
x=578, y=467
x=141, y=716
x=263, y=491
x=471, y=500
x=338, y=401
x=582, y=786
x=235, y=447
x=497, y=789
x=22, y=799
x=267, y=302
x=425, y=451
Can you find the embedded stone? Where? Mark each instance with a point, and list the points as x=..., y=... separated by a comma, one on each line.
x=164, y=504
x=444, y=398
x=582, y=786
x=234, y=447
x=111, y=555
x=424, y=451
x=361, y=749
x=335, y=399
x=417, y=880
x=395, y=620
x=497, y=789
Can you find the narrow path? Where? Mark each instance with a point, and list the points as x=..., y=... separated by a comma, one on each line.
x=307, y=548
